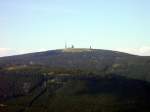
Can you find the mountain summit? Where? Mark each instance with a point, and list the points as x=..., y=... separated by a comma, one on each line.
x=89, y=60
x=75, y=80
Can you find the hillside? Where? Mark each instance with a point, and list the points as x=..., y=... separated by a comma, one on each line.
x=75, y=80
x=89, y=60
x=64, y=56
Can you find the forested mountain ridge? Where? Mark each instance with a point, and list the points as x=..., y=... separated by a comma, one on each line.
x=85, y=80
x=88, y=60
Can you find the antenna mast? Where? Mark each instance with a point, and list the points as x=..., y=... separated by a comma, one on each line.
x=65, y=45
x=90, y=47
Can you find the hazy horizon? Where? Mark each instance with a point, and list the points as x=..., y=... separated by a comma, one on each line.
x=34, y=25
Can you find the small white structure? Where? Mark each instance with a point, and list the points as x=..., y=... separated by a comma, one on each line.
x=26, y=86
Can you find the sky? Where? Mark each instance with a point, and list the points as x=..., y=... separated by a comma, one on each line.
x=39, y=25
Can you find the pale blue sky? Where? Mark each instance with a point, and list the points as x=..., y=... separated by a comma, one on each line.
x=32, y=25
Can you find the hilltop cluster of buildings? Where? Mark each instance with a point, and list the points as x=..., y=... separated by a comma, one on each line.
x=72, y=46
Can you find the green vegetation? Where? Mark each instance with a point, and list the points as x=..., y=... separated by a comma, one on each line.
x=89, y=81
